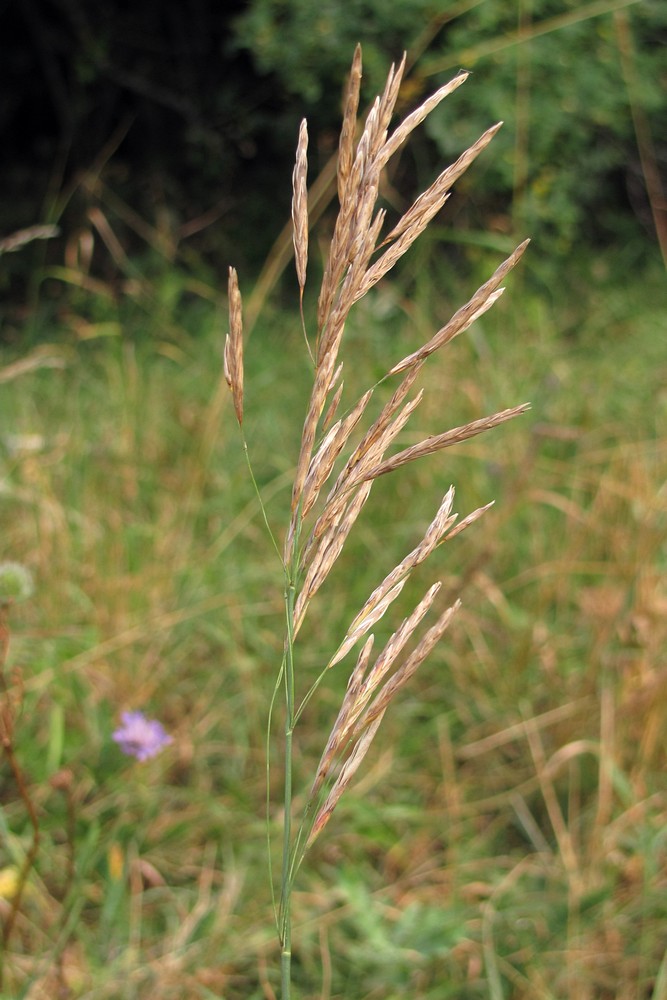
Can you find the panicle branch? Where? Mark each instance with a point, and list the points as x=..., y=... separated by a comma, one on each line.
x=366, y=700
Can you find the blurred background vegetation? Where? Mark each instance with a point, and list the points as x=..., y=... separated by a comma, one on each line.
x=508, y=836
x=156, y=119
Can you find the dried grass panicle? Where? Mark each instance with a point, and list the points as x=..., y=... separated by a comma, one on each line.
x=433, y=535
x=349, y=271
x=335, y=521
x=391, y=650
x=440, y=186
x=421, y=212
x=335, y=737
x=363, y=623
x=358, y=259
x=358, y=183
x=367, y=453
x=233, y=355
x=352, y=476
x=385, y=661
x=387, y=591
x=364, y=685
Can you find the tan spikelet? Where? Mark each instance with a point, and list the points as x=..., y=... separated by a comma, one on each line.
x=439, y=441
x=417, y=116
x=374, y=434
x=423, y=206
x=364, y=623
x=433, y=536
x=329, y=549
x=300, y=205
x=352, y=720
x=334, y=742
x=348, y=771
x=468, y=520
x=364, y=683
x=421, y=212
x=378, y=707
x=327, y=356
x=349, y=126
x=386, y=109
x=481, y=301
x=385, y=661
x=233, y=355
x=333, y=407
x=323, y=461
x=348, y=481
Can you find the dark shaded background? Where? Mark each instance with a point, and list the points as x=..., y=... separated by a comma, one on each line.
x=185, y=116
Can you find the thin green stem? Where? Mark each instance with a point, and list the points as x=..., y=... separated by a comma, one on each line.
x=286, y=674
x=309, y=694
x=259, y=496
x=286, y=878
x=269, y=849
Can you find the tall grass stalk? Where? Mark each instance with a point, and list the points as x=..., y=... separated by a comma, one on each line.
x=359, y=257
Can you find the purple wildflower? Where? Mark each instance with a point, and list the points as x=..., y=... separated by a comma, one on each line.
x=140, y=737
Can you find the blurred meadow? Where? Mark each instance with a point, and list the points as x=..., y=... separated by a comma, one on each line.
x=506, y=837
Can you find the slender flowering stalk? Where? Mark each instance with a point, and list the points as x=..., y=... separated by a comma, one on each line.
x=322, y=516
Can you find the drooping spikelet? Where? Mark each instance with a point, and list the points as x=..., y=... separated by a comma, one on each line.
x=300, y=206
x=233, y=357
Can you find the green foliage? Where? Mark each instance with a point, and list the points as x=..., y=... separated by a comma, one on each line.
x=166, y=96
x=308, y=46
x=568, y=149
x=550, y=71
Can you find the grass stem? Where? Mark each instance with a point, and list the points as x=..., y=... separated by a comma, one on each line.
x=287, y=874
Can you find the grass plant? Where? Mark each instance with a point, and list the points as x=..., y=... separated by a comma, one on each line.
x=506, y=835
x=359, y=258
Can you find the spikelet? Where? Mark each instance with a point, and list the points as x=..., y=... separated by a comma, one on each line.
x=300, y=206
x=233, y=357
x=366, y=700
x=439, y=441
x=349, y=126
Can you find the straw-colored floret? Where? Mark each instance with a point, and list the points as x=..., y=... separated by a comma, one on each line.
x=233, y=356
x=300, y=206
